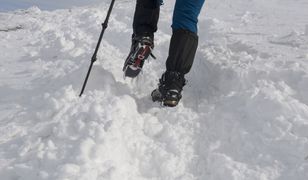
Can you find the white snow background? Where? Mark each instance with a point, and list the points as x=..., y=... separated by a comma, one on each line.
x=6, y=5
x=243, y=116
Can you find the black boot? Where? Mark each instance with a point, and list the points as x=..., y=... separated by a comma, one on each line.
x=169, y=89
x=141, y=49
x=144, y=25
x=182, y=52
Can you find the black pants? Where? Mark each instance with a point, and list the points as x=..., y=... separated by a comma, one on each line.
x=146, y=17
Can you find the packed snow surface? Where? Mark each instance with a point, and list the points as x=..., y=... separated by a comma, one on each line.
x=243, y=116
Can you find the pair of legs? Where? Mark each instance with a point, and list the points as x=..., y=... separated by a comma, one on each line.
x=184, y=40
x=183, y=44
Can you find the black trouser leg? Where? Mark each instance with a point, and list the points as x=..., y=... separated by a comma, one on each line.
x=182, y=50
x=146, y=17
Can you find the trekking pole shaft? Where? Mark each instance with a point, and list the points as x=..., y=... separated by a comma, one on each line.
x=94, y=57
x=86, y=80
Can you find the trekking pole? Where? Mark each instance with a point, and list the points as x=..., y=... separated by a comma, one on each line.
x=94, y=57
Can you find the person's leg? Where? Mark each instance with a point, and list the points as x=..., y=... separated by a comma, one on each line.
x=146, y=17
x=184, y=39
x=144, y=25
x=185, y=14
x=182, y=50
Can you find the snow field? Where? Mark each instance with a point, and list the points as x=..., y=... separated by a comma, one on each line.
x=243, y=113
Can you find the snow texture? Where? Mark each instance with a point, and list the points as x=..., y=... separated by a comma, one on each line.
x=7, y=5
x=243, y=116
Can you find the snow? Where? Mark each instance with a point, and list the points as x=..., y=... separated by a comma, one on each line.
x=7, y=5
x=243, y=116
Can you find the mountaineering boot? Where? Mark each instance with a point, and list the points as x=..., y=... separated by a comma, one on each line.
x=182, y=50
x=169, y=89
x=141, y=49
x=144, y=25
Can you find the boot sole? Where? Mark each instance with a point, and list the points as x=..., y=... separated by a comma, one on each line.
x=170, y=103
x=156, y=97
x=131, y=71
